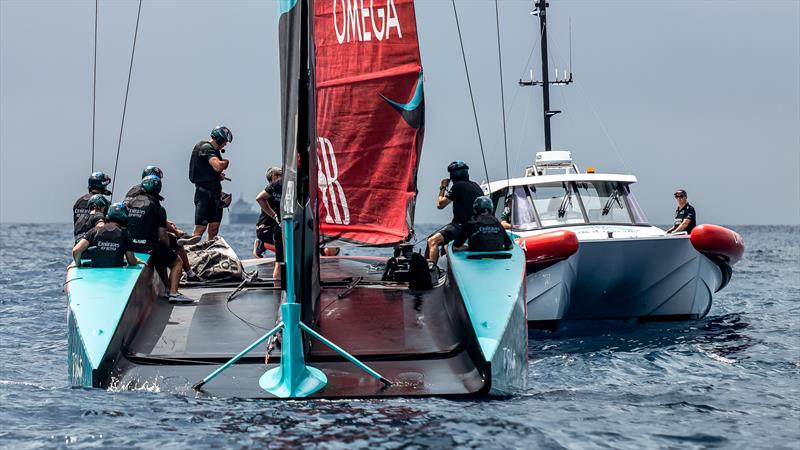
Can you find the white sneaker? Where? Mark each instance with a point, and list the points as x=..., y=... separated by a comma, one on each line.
x=190, y=275
x=179, y=298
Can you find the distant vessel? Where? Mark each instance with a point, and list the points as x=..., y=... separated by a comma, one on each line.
x=242, y=213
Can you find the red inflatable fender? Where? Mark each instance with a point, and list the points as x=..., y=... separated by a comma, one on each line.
x=548, y=248
x=715, y=240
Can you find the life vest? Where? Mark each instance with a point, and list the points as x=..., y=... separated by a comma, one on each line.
x=80, y=215
x=485, y=234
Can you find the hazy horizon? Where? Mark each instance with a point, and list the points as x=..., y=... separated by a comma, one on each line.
x=701, y=95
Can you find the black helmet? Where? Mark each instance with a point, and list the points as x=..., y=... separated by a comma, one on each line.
x=118, y=212
x=99, y=201
x=458, y=169
x=151, y=184
x=99, y=181
x=482, y=204
x=152, y=170
x=221, y=134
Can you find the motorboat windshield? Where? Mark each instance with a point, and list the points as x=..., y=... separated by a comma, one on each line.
x=556, y=204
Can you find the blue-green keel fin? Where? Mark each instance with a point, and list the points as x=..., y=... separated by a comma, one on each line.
x=293, y=378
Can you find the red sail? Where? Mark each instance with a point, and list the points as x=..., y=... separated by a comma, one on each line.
x=370, y=119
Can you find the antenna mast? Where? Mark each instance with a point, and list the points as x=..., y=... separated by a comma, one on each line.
x=541, y=11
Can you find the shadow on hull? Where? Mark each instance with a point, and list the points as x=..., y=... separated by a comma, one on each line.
x=625, y=280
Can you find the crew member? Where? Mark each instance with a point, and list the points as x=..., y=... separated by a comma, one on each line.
x=147, y=224
x=206, y=171
x=270, y=202
x=483, y=232
x=98, y=205
x=265, y=227
x=685, y=217
x=80, y=211
x=177, y=237
x=111, y=241
x=462, y=194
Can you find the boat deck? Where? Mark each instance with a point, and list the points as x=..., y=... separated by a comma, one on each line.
x=415, y=340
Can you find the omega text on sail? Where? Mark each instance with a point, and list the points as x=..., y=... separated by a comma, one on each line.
x=354, y=21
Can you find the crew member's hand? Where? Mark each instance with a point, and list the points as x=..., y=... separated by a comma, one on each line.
x=221, y=176
x=445, y=182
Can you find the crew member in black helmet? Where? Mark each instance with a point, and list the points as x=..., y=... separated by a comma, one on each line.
x=206, y=171
x=147, y=224
x=177, y=237
x=80, y=212
x=111, y=241
x=483, y=232
x=462, y=195
x=685, y=217
x=98, y=206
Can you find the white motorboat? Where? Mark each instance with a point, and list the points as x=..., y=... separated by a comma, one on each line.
x=592, y=254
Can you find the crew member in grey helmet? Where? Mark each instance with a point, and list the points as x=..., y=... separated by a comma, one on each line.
x=206, y=171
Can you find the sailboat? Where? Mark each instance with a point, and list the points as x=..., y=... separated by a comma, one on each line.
x=591, y=253
x=352, y=126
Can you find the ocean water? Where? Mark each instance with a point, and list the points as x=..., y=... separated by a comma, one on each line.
x=729, y=380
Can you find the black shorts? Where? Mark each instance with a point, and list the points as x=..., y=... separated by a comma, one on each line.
x=207, y=206
x=451, y=231
x=266, y=233
x=277, y=237
x=162, y=255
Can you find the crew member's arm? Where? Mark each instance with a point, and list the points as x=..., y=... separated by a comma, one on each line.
x=218, y=164
x=261, y=199
x=172, y=228
x=442, y=200
x=132, y=259
x=78, y=250
x=507, y=241
x=163, y=236
x=681, y=227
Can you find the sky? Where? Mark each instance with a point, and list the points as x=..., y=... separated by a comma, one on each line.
x=700, y=95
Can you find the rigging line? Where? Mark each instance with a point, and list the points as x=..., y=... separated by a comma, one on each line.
x=471, y=97
x=502, y=91
x=94, y=79
x=603, y=126
x=125, y=103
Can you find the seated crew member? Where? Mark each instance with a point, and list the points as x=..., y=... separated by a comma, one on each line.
x=147, y=224
x=111, y=241
x=270, y=201
x=685, y=217
x=206, y=171
x=177, y=237
x=98, y=205
x=505, y=216
x=265, y=227
x=80, y=211
x=461, y=195
x=483, y=232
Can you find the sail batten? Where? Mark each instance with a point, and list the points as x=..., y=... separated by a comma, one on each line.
x=370, y=120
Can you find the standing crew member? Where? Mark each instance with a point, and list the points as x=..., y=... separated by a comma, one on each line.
x=111, y=241
x=685, y=217
x=147, y=224
x=80, y=211
x=267, y=221
x=206, y=171
x=505, y=216
x=483, y=232
x=461, y=195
